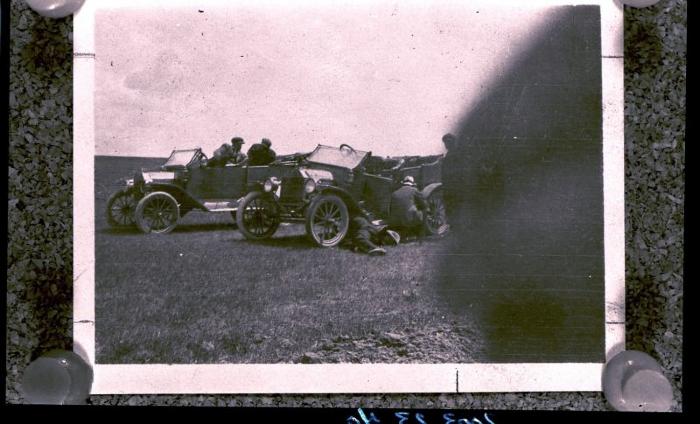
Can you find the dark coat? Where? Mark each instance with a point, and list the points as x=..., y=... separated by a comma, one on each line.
x=405, y=203
x=226, y=154
x=452, y=169
x=260, y=154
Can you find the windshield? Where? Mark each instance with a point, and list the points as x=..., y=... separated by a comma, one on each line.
x=342, y=157
x=180, y=158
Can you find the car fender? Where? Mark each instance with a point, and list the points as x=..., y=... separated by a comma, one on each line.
x=350, y=202
x=271, y=194
x=254, y=186
x=430, y=188
x=177, y=192
x=257, y=188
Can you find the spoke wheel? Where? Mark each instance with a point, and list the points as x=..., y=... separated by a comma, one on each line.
x=435, y=218
x=120, y=209
x=257, y=216
x=327, y=220
x=235, y=219
x=157, y=213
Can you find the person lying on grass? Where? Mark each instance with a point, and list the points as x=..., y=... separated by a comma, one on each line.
x=368, y=238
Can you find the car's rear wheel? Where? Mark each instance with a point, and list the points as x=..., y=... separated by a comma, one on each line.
x=257, y=216
x=157, y=213
x=327, y=220
x=435, y=217
x=120, y=209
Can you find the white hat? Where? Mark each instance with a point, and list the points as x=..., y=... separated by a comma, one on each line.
x=408, y=180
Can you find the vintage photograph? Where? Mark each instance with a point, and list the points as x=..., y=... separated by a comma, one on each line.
x=348, y=182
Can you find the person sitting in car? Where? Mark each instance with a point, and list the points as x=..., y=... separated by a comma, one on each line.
x=261, y=153
x=228, y=153
x=407, y=209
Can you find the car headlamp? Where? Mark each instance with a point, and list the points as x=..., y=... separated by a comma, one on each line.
x=309, y=186
x=271, y=184
x=267, y=186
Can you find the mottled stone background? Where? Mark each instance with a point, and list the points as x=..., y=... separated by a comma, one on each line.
x=39, y=254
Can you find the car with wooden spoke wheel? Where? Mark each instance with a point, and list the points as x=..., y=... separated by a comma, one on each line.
x=326, y=188
x=154, y=200
x=323, y=190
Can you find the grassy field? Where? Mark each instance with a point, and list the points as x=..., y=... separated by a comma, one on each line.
x=516, y=280
x=204, y=294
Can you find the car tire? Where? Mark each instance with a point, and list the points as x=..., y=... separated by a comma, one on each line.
x=120, y=209
x=234, y=216
x=327, y=220
x=435, y=218
x=257, y=216
x=157, y=213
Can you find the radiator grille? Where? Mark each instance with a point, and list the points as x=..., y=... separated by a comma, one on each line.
x=292, y=189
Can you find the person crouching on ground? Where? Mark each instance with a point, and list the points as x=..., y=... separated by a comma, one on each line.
x=368, y=238
x=261, y=153
x=407, y=209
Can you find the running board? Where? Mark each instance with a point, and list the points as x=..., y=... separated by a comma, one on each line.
x=221, y=206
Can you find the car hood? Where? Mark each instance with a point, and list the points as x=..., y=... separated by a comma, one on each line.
x=157, y=176
x=316, y=174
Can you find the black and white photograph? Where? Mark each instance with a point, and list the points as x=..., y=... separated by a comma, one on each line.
x=372, y=182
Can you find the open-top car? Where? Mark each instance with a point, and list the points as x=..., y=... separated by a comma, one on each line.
x=154, y=200
x=328, y=186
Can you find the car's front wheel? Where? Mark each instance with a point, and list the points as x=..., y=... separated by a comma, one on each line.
x=120, y=209
x=327, y=220
x=157, y=213
x=257, y=216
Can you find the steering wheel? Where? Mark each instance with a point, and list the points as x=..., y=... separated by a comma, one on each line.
x=347, y=147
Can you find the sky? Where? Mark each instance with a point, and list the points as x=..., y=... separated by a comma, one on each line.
x=384, y=76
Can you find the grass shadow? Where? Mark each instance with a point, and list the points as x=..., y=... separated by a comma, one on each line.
x=202, y=228
x=526, y=325
x=186, y=228
x=119, y=231
x=296, y=241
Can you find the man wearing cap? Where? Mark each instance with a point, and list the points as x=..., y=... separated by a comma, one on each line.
x=261, y=153
x=407, y=208
x=228, y=153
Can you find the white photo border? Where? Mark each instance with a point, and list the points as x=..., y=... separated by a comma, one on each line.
x=346, y=378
